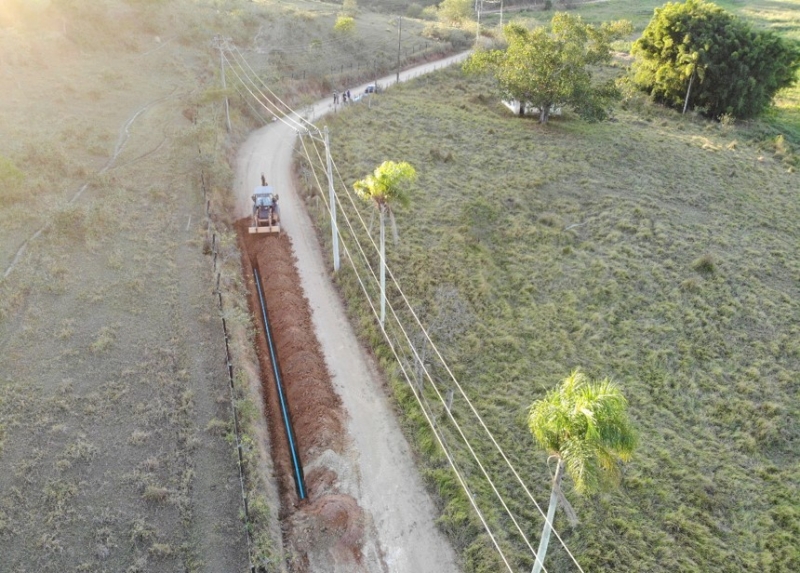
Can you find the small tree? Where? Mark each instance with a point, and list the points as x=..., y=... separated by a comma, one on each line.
x=385, y=187
x=455, y=11
x=349, y=8
x=695, y=53
x=345, y=25
x=548, y=67
x=584, y=426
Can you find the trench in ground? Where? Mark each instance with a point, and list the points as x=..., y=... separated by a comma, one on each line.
x=329, y=520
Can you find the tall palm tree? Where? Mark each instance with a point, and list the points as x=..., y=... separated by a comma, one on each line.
x=584, y=426
x=386, y=186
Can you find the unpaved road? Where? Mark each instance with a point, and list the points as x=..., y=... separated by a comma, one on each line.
x=389, y=487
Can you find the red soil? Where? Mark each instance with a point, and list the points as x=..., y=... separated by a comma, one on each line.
x=328, y=524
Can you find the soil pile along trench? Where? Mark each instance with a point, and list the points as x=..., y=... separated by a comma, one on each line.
x=327, y=531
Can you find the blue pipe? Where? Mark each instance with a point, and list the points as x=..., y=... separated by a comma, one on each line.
x=287, y=422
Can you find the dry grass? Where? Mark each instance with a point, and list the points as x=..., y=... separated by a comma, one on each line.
x=111, y=366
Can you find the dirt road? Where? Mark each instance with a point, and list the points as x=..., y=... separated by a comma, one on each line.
x=387, y=485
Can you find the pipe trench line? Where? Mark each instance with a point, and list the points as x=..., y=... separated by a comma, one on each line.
x=299, y=479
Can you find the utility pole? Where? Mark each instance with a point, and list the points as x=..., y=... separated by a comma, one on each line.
x=399, y=33
x=479, y=4
x=383, y=264
x=220, y=44
x=332, y=201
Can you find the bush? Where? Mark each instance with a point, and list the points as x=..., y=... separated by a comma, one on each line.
x=457, y=38
x=430, y=13
x=455, y=11
x=11, y=179
x=345, y=25
x=704, y=264
x=414, y=10
x=697, y=53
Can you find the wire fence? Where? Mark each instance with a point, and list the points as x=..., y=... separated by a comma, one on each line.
x=237, y=429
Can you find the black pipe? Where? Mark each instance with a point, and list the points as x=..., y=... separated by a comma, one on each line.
x=287, y=420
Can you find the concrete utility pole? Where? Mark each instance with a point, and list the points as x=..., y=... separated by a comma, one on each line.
x=399, y=33
x=332, y=201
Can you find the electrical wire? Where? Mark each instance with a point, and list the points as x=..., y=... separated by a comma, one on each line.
x=456, y=382
x=433, y=384
x=286, y=119
x=424, y=332
x=450, y=460
x=290, y=111
x=441, y=398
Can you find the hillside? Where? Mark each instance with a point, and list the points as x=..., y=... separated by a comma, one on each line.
x=654, y=249
x=128, y=374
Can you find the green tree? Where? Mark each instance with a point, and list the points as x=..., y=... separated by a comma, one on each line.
x=584, y=426
x=455, y=11
x=386, y=186
x=695, y=53
x=345, y=25
x=548, y=67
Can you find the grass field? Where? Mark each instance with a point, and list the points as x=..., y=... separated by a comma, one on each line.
x=679, y=280
x=112, y=455
x=116, y=437
x=655, y=249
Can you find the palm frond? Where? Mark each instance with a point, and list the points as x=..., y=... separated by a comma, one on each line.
x=585, y=424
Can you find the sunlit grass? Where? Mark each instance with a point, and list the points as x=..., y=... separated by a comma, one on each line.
x=656, y=249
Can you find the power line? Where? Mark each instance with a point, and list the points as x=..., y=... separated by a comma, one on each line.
x=458, y=385
x=429, y=377
x=424, y=332
x=287, y=119
x=432, y=425
x=436, y=389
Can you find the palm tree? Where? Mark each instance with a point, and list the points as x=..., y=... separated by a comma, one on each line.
x=584, y=425
x=386, y=186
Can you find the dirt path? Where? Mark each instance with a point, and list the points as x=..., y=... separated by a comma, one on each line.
x=388, y=488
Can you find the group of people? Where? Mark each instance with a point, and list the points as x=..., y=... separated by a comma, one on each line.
x=345, y=97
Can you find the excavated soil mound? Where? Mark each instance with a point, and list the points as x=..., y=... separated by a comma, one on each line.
x=332, y=522
x=329, y=525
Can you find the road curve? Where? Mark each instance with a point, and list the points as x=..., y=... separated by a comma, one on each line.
x=390, y=489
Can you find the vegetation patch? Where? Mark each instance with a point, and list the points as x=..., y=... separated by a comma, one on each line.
x=622, y=248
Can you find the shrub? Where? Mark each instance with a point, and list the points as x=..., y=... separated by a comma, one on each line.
x=698, y=54
x=349, y=8
x=414, y=10
x=345, y=25
x=11, y=180
x=704, y=264
x=455, y=11
x=430, y=13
